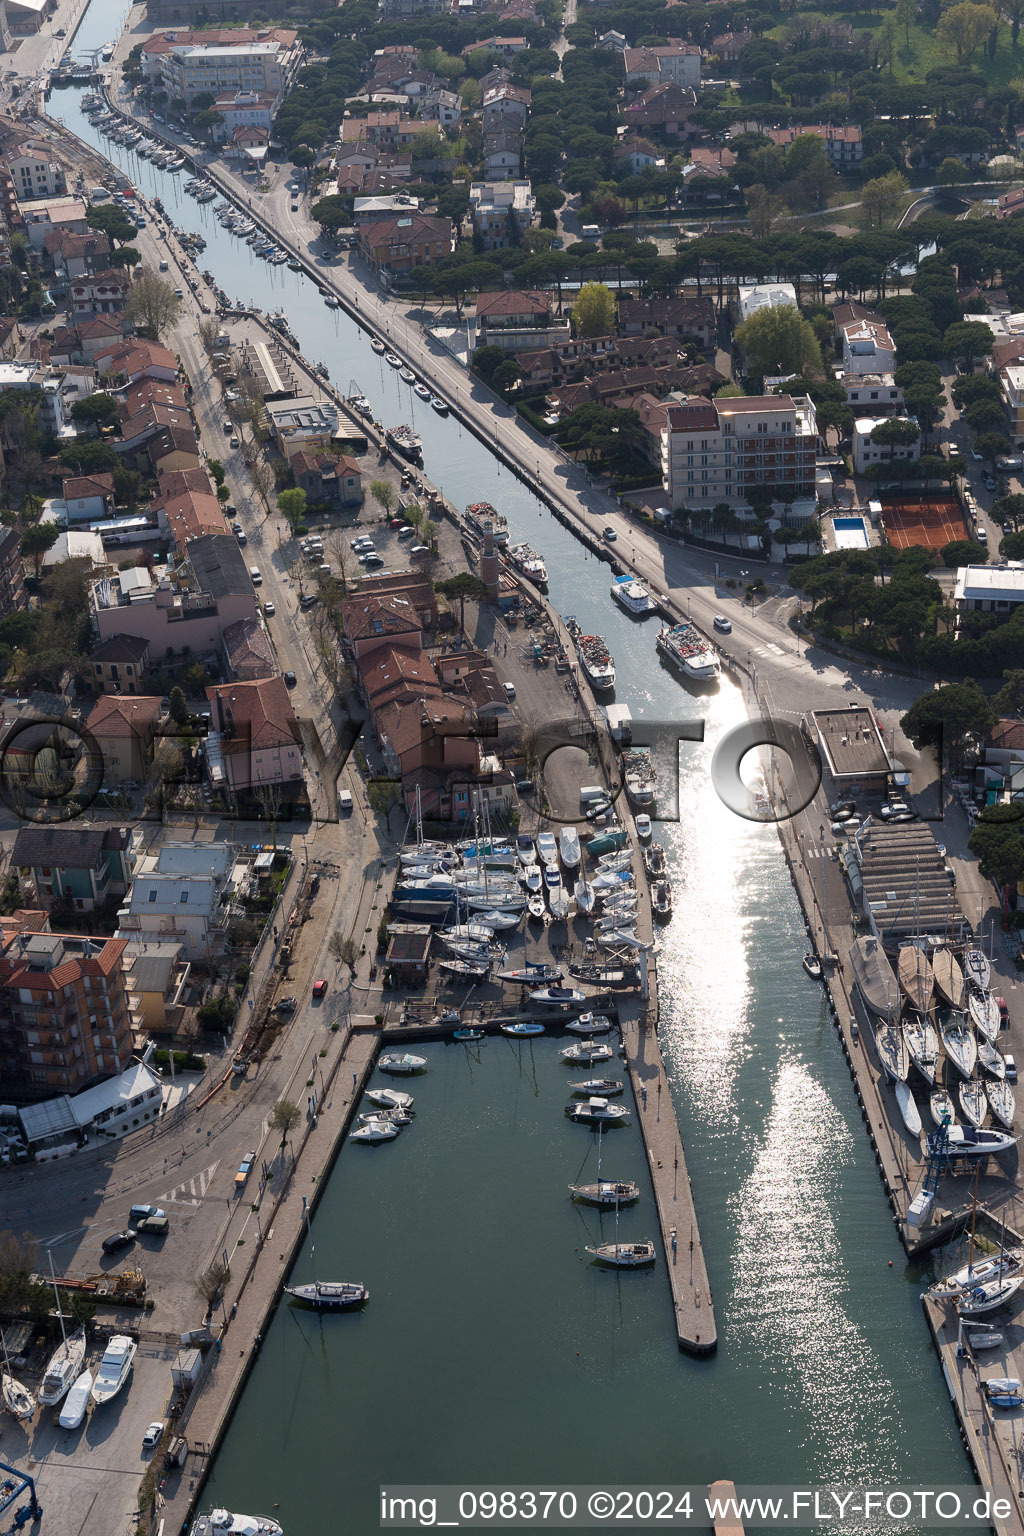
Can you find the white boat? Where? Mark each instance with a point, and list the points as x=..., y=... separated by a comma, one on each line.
x=221, y=1522
x=63, y=1369
x=329, y=1295
x=18, y=1400
x=596, y=1111
x=661, y=899
x=874, y=977
x=984, y=1011
x=596, y=661
x=623, y=938
x=624, y=1255
x=526, y=851
x=973, y=1102
x=114, y=1369
x=533, y=879
x=585, y=1053
x=986, y=1298
x=615, y=863
x=995, y=1386
x=960, y=1045
x=389, y=1098
x=559, y=901
x=496, y=919
x=892, y=1051
x=376, y=1129
x=399, y=1117
x=590, y=1024
x=979, y=1273
x=923, y=1045
x=535, y=905
x=547, y=848
x=526, y=560
x=990, y=1060
x=606, y=1192
x=644, y=826
x=967, y=1141
x=686, y=648
x=941, y=1104
x=640, y=777
x=908, y=1108
x=632, y=595
x=401, y=1062
x=558, y=997
x=569, y=847
x=987, y=1338
x=977, y=967
x=1001, y=1102
x=584, y=895
x=491, y=901
x=76, y=1402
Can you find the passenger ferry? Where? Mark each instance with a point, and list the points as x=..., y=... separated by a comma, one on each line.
x=527, y=561
x=686, y=648
x=632, y=595
x=482, y=512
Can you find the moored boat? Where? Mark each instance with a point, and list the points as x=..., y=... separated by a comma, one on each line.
x=661, y=900
x=987, y=1297
x=522, y=1029
x=586, y=1053
x=329, y=1295
x=597, y=1111
x=630, y=593
x=596, y=661
x=526, y=560
x=686, y=648
x=401, y=1062
x=484, y=518
x=221, y=1522
x=605, y=1087
x=590, y=1024
x=624, y=1255
x=376, y=1128
x=389, y=1098
x=977, y=1273
x=606, y=1192
x=468, y=1036
x=405, y=441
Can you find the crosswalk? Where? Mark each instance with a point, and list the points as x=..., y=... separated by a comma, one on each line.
x=190, y=1191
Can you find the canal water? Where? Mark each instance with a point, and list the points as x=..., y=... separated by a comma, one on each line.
x=491, y=1351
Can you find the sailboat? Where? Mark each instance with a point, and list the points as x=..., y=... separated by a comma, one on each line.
x=949, y=978
x=941, y=1106
x=66, y=1361
x=623, y=1255
x=922, y=1041
x=977, y=967
x=990, y=1060
x=960, y=1044
x=973, y=1102
x=984, y=1011
x=605, y=1191
x=985, y=1298
x=916, y=977
x=18, y=1400
x=892, y=1051
x=327, y=1295
x=1001, y=1102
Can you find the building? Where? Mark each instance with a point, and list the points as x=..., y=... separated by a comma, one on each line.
x=843, y=143
x=686, y=317
x=124, y=729
x=127, y=362
x=337, y=481
x=254, y=738
x=214, y=589
x=12, y=572
x=1010, y=203
x=677, y=63
x=505, y=105
x=729, y=45
x=403, y=10
x=765, y=296
x=866, y=451
x=156, y=982
x=34, y=171
x=392, y=246
x=516, y=321
x=64, y=1016
x=25, y=376
x=717, y=450
x=990, y=588
x=248, y=653
x=76, y=255
x=111, y=1109
x=186, y=64
x=88, y=498
x=502, y=212
x=408, y=951
x=667, y=106
x=120, y=663
x=67, y=213
x=902, y=880
x=244, y=109
x=867, y=347
x=377, y=622
x=1011, y=382
x=303, y=424
x=853, y=750
x=875, y=392
x=181, y=895
x=81, y=866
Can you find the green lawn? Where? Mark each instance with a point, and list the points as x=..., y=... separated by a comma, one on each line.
x=924, y=51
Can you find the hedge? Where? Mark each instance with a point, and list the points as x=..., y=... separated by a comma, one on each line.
x=536, y=421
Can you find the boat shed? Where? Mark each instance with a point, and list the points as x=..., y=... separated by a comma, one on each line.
x=853, y=749
x=408, y=953
x=906, y=886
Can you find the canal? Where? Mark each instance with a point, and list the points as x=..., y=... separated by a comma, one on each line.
x=490, y=1351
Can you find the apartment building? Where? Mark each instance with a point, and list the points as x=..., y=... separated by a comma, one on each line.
x=866, y=451
x=1011, y=380
x=497, y=209
x=678, y=63
x=868, y=347
x=254, y=737
x=64, y=1017
x=186, y=64
x=182, y=896
x=715, y=450
x=843, y=142
x=83, y=866
x=26, y=376
x=34, y=171
x=214, y=589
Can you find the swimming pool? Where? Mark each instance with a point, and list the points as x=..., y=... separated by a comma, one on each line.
x=850, y=533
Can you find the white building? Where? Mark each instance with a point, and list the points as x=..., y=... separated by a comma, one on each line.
x=28, y=376
x=187, y=64
x=989, y=588
x=244, y=109
x=676, y=63
x=765, y=296
x=868, y=348
x=873, y=392
x=866, y=452
x=182, y=896
x=1011, y=382
x=716, y=450
x=34, y=172
x=110, y=1109
x=493, y=205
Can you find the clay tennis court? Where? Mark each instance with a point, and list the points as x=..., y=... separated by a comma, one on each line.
x=932, y=523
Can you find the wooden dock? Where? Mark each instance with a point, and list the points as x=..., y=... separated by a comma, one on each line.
x=725, y=1525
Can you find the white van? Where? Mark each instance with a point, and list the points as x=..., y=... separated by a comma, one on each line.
x=256, y=578
x=590, y=794
x=344, y=802
x=406, y=533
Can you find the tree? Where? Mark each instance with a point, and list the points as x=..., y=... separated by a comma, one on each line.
x=464, y=585
x=963, y=552
x=895, y=432
x=302, y=157
x=293, y=504
x=881, y=196
x=1008, y=509
x=764, y=209
x=1011, y=546
x=778, y=340
x=112, y=221
x=593, y=314
x=991, y=445
x=1009, y=701
x=177, y=706
x=210, y=1284
x=968, y=339
x=126, y=256
x=284, y=1117
x=97, y=410
x=486, y=362
x=952, y=172
x=35, y=541
x=333, y=212
x=88, y=458
x=383, y=493
x=153, y=304
x=949, y=718
x=964, y=27
x=506, y=375
x=997, y=843
x=344, y=949
x=921, y=383
x=205, y=122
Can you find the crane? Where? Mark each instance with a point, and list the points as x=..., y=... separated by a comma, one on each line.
x=14, y=1485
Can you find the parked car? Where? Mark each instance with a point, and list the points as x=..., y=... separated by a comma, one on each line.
x=156, y=1226
x=842, y=810
x=153, y=1435
x=320, y=987
x=269, y=610
x=308, y=600
x=286, y=1005
x=118, y=1240
x=510, y=690
x=897, y=811
x=140, y=1212
x=290, y=679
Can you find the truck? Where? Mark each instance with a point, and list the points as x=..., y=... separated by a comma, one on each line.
x=590, y=232
x=244, y=1170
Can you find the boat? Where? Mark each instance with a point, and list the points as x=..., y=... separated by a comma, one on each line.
x=374, y=1130
x=489, y=902
x=483, y=519
x=402, y=1062
x=892, y=1051
x=64, y=1368
x=552, y=880
x=547, y=848
x=916, y=978
x=644, y=826
x=569, y=847
x=533, y=879
x=1001, y=1102
x=392, y=360
x=587, y=1053
x=377, y=345
x=606, y=1192
x=526, y=560
x=600, y=975
x=977, y=967
x=624, y=1255
x=496, y=919
x=984, y=1012
x=590, y=1024
x=661, y=900
x=812, y=965
x=874, y=977
x=597, y=1111
x=559, y=901
x=973, y=1102
x=987, y=1338
x=114, y=1369
x=329, y=1295
x=968, y=1141
x=654, y=859
x=558, y=997
x=221, y=1522
x=439, y=405
x=399, y=1117
x=908, y=1108
x=18, y=1400
x=631, y=594
x=405, y=441
x=522, y=1029
x=529, y=974
x=477, y=969
x=990, y=1060
x=584, y=895
x=1006, y=1400
x=685, y=647
x=526, y=851
x=76, y=1402
x=361, y=406
x=987, y=1297
x=406, y=375
x=607, y=842
x=640, y=777
x=468, y=1036
x=616, y=859
x=923, y=1044
x=971, y=1274
x=959, y=1043
x=622, y=938
x=389, y=1098
x=597, y=662
x=535, y=905
x=607, y=1087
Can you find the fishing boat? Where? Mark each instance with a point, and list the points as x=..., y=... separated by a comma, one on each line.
x=654, y=859
x=874, y=977
x=916, y=978
x=483, y=519
x=597, y=1111
x=468, y=1036
x=968, y=1141
x=329, y=1295
x=525, y=559
x=986, y=1298
x=630, y=593
x=558, y=997
x=76, y=1402
x=377, y=1128
x=221, y=1522
x=64, y=1367
x=661, y=900
x=941, y=1105
x=973, y=1102
x=590, y=1024
x=812, y=965
x=607, y=1087
x=569, y=847
x=401, y=1062
x=923, y=1044
x=977, y=1273
x=892, y=1051
x=977, y=967
x=960, y=1045
x=529, y=974
x=1001, y=1102
x=624, y=1255
x=990, y=1060
x=114, y=1369
x=522, y=1029
x=685, y=647
x=908, y=1108
x=389, y=1098
x=405, y=441
x=587, y=1053
x=984, y=1012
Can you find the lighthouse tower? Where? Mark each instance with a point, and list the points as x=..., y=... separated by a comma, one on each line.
x=489, y=567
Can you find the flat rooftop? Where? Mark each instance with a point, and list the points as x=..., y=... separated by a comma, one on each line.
x=851, y=742
x=907, y=891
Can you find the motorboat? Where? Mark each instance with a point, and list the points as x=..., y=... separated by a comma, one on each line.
x=812, y=965
x=376, y=1129
x=569, y=847
x=114, y=1369
x=597, y=1111
x=389, y=1098
x=526, y=851
x=533, y=879
x=468, y=1036
x=597, y=662
x=531, y=973
x=329, y=1295
x=968, y=1141
x=624, y=1255
x=973, y=1102
x=977, y=967
x=984, y=1012
x=916, y=978
x=640, y=777
x=535, y=905
x=401, y=1062
x=908, y=1108
x=922, y=1041
x=220, y=1522
x=644, y=826
x=407, y=442
x=587, y=1053
x=661, y=899
x=558, y=997
x=378, y=346
x=547, y=848
x=399, y=1117
x=18, y=1400
x=990, y=1060
x=76, y=1402
x=654, y=859
x=632, y=595
x=392, y=361
x=419, y=388
x=960, y=1045
x=606, y=1192
x=559, y=901
x=606, y=1087
x=590, y=1024
x=979, y=1273
x=949, y=978
x=892, y=1051
x=987, y=1297
x=522, y=1029
x=552, y=877
x=525, y=559
x=1001, y=1102
x=941, y=1105
x=685, y=647
x=439, y=405
x=64, y=1368
x=407, y=376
